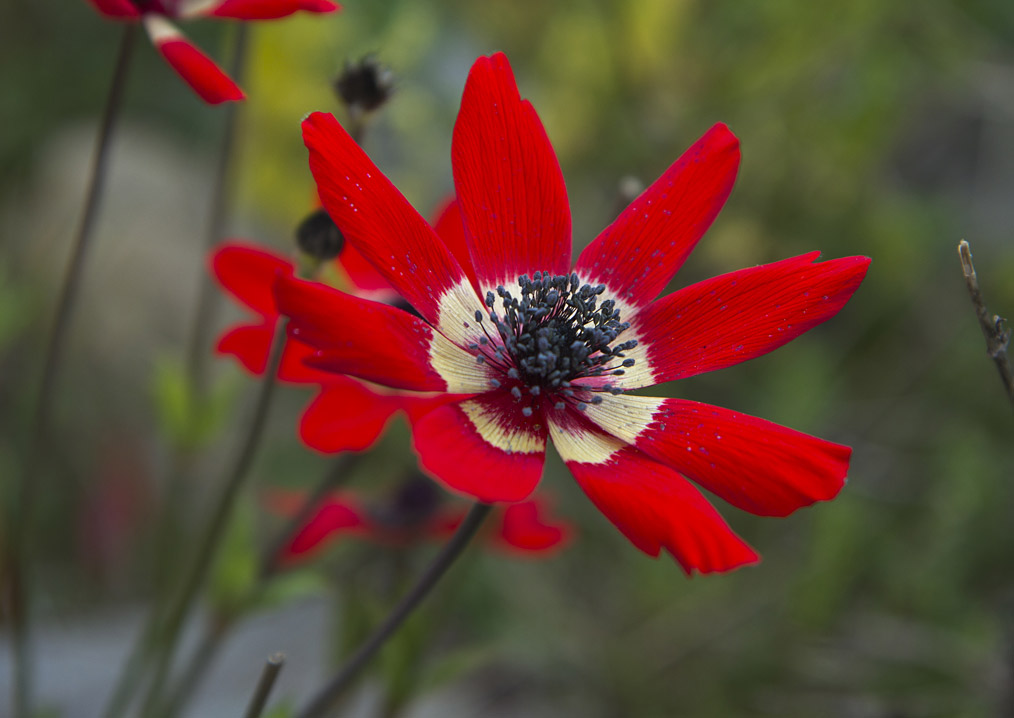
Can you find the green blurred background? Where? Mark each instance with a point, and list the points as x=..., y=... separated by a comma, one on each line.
x=882, y=129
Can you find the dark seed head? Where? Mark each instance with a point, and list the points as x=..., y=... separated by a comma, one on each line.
x=412, y=503
x=557, y=331
x=365, y=85
x=319, y=237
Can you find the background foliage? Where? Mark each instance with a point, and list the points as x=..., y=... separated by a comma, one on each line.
x=884, y=129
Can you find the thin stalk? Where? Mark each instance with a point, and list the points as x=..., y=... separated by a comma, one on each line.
x=267, y=681
x=994, y=327
x=217, y=630
x=221, y=204
x=357, y=125
x=24, y=506
x=138, y=661
x=327, y=697
x=168, y=633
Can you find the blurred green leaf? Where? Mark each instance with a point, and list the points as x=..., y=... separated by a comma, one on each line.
x=234, y=577
x=188, y=420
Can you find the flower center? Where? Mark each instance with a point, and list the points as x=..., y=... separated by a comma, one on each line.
x=555, y=332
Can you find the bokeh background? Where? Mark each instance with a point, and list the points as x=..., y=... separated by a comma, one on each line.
x=883, y=129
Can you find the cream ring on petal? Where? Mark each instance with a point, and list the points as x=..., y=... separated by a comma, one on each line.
x=581, y=444
x=510, y=438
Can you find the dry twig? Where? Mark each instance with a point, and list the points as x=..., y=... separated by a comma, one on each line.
x=994, y=327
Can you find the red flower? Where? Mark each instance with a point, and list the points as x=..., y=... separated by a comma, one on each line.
x=197, y=69
x=415, y=514
x=529, y=349
x=346, y=415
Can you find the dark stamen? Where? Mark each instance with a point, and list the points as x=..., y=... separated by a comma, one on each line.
x=557, y=331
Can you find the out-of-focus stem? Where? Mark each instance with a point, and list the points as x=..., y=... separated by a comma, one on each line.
x=326, y=698
x=204, y=314
x=218, y=629
x=168, y=632
x=211, y=642
x=994, y=328
x=138, y=661
x=267, y=681
x=24, y=505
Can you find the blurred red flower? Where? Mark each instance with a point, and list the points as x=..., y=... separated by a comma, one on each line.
x=347, y=414
x=414, y=514
x=526, y=348
x=197, y=69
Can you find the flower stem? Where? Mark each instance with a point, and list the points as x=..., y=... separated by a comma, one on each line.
x=267, y=681
x=204, y=314
x=24, y=505
x=323, y=701
x=994, y=328
x=168, y=633
x=211, y=642
x=160, y=634
x=138, y=660
x=217, y=629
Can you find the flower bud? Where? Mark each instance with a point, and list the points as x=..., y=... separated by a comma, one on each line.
x=412, y=504
x=319, y=237
x=365, y=85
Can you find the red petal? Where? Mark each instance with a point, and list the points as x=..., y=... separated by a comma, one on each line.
x=361, y=273
x=334, y=517
x=197, y=69
x=650, y=503
x=642, y=249
x=417, y=406
x=267, y=9
x=755, y=465
x=294, y=368
x=729, y=319
x=250, y=343
x=118, y=9
x=657, y=508
x=450, y=227
x=345, y=416
x=378, y=221
x=372, y=341
x=523, y=528
x=482, y=447
x=508, y=180
x=320, y=6
x=248, y=273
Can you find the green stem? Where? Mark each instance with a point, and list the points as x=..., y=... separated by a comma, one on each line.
x=139, y=659
x=267, y=681
x=204, y=313
x=24, y=506
x=994, y=327
x=168, y=633
x=327, y=697
x=217, y=630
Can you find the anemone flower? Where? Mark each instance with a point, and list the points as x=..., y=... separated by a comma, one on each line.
x=526, y=349
x=417, y=513
x=197, y=69
x=346, y=414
